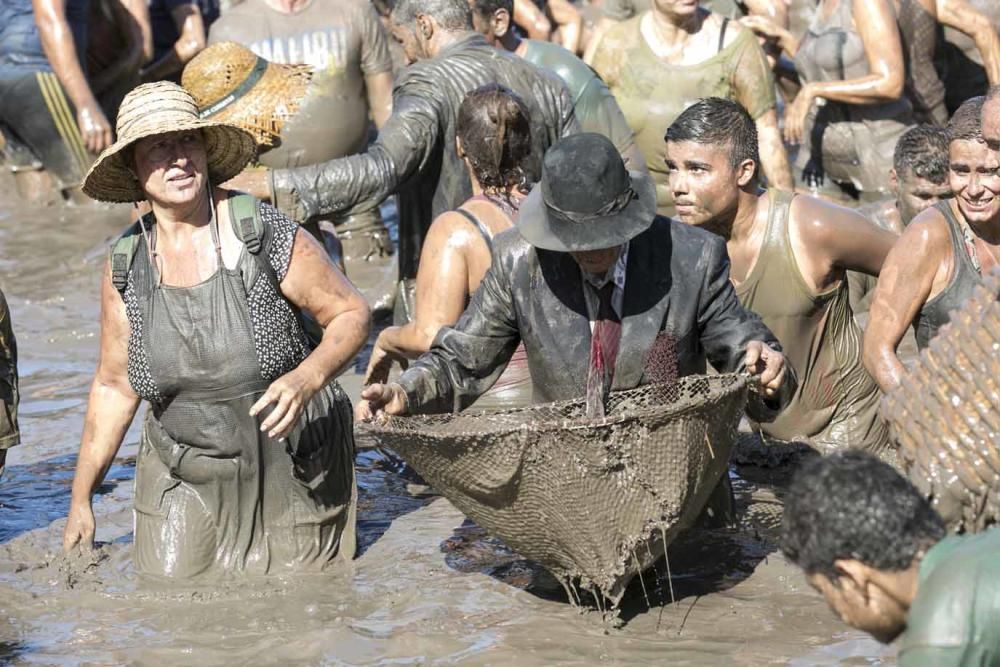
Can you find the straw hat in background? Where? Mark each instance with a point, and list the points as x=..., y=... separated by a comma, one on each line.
x=231, y=84
x=161, y=108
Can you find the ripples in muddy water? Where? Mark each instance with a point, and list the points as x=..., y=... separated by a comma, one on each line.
x=427, y=587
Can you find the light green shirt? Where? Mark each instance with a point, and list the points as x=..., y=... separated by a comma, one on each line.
x=955, y=619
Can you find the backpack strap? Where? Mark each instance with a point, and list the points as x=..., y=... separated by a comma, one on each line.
x=123, y=253
x=244, y=215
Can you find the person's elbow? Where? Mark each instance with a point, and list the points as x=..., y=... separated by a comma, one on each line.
x=890, y=84
x=876, y=355
x=190, y=44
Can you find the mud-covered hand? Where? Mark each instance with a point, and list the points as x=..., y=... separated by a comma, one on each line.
x=94, y=127
x=80, y=527
x=389, y=399
x=796, y=114
x=290, y=394
x=767, y=365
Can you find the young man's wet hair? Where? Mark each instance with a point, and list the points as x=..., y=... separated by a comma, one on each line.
x=851, y=506
x=922, y=151
x=451, y=14
x=716, y=121
x=966, y=123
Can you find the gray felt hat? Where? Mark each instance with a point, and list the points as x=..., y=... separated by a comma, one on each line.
x=587, y=199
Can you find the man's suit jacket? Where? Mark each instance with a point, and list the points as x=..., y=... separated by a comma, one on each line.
x=677, y=284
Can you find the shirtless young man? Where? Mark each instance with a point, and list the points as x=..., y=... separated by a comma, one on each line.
x=942, y=255
x=789, y=256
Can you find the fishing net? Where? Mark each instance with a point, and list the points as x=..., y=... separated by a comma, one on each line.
x=594, y=501
x=946, y=414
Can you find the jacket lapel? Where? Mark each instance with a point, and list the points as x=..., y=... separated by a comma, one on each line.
x=647, y=299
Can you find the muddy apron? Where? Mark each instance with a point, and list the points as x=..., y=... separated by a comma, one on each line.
x=213, y=493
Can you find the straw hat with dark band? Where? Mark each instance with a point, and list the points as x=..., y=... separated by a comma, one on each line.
x=230, y=83
x=160, y=108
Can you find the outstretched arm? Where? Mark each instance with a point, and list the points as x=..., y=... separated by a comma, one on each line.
x=961, y=16
x=110, y=409
x=191, y=26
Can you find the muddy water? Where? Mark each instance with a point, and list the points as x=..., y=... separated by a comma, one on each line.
x=427, y=588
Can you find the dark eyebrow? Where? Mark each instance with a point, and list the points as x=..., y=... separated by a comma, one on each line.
x=690, y=164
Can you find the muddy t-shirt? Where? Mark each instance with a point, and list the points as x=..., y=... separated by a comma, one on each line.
x=344, y=41
x=955, y=618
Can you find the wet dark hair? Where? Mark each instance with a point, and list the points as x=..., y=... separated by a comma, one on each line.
x=923, y=152
x=495, y=132
x=451, y=14
x=966, y=123
x=716, y=121
x=850, y=505
x=487, y=8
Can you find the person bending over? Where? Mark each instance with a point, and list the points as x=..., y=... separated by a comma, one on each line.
x=944, y=253
x=918, y=180
x=876, y=550
x=789, y=255
x=494, y=139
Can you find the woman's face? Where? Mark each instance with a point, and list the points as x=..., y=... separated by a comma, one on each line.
x=172, y=167
x=676, y=9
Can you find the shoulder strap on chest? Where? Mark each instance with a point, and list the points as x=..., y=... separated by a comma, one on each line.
x=122, y=253
x=244, y=215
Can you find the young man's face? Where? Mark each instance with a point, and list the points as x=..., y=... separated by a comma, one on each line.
x=865, y=607
x=703, y=181
x=914, y=194
x=973, y=177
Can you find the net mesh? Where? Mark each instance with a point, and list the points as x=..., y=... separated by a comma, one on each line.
x=945, y=414
x=594, y=501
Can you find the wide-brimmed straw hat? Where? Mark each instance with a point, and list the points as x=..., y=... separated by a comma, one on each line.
x=230, y=83
x=160, y=108
x=587, y=198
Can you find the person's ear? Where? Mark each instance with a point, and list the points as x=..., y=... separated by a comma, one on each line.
x=459, y=149
x=425, y=27
x=855, y=574
x=745, y=172
x=501, y=23
x=893, y=180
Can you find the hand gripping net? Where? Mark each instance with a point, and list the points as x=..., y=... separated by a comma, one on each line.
x=946, y=414
x=592, y=501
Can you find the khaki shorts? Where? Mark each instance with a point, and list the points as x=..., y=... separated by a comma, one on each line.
x=9, y=433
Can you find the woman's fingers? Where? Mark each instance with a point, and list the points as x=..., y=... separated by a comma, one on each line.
x=284, y=427
x=281, y=408
x=270, y=396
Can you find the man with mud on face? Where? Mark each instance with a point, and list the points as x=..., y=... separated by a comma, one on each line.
x=918, y=180
x=790, y=254
x=414, y=155
x=944, y=253
x=874, y=547
x=597, y=287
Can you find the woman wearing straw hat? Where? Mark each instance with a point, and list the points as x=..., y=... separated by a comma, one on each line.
x=246, y=456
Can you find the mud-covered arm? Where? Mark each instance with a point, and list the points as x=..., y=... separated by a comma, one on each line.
x=361, y=182
x=963, y=17
x=465, y=360
x=110, y=409
x=726, y=328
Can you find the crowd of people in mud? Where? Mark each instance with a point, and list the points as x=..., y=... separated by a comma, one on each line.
x=577, y=184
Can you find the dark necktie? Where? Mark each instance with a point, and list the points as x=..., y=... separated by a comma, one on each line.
x=603, y=352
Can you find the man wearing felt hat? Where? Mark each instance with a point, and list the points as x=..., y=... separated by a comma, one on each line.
x=604, y=294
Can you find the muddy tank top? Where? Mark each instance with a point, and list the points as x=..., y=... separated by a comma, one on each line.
x=964, y=279
x=849, y=143
x=653, y=93
x=836, y=403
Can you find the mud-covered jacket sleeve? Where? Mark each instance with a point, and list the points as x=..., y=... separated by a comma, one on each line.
x=726, y=327
x=359, y=183
x=465, y=360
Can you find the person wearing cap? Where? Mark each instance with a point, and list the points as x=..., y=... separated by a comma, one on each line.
x=414, y=155
x=246, y=457
x=603, y=293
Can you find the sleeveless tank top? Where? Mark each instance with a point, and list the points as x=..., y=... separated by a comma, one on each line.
x=20, y=43
x=964, y=278
x=849, y=143
x=836, y=403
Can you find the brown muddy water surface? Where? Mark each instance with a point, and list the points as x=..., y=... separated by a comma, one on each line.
x=427, y=587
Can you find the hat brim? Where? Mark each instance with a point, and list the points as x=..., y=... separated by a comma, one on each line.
x=229, y=149
x=547, y=232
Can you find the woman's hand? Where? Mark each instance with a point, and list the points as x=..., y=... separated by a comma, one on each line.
x=772, y=32
x=796, y=114
x=80, y=526
x=290, y=394
x=385, y=398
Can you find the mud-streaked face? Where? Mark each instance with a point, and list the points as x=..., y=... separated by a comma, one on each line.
x=172, y=167
x=915, y=194
x=702, y=180
x=974, y=178
x=678, y=9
